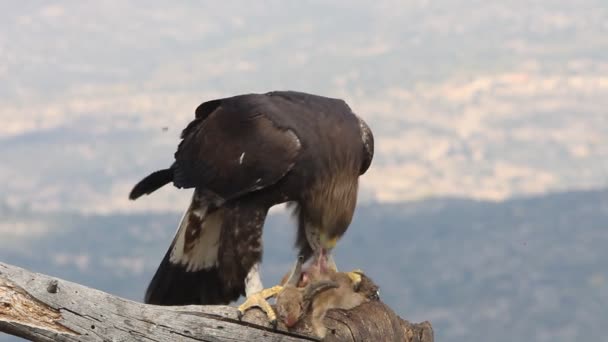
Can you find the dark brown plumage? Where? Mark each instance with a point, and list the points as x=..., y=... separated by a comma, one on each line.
x=242, y=155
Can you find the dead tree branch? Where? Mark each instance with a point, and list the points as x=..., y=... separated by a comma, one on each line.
x=42, y=308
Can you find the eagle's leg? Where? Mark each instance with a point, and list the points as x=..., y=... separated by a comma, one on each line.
x=327, y=263
x=331, y=263
x=257, y=296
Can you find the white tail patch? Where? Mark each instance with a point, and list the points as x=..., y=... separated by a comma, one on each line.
x=203, y=254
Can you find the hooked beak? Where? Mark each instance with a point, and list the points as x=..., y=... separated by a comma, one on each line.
x=328, y=243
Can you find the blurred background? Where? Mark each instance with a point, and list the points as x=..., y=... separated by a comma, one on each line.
x=485, y=210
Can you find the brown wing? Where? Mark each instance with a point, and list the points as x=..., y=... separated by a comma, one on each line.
x=234, y=150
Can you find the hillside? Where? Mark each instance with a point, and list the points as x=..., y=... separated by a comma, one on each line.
x=523, y=269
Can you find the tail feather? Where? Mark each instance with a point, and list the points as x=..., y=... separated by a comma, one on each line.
x=151, y=183
x=201, y=283
x=173, y=285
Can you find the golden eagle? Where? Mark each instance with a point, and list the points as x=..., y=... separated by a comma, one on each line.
x=243, y=155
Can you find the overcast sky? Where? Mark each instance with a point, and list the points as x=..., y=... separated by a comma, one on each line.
x=482, y=99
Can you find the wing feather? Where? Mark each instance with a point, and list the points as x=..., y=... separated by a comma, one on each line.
x=235, y=149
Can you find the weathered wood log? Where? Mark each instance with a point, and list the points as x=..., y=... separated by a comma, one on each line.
x=42, y=308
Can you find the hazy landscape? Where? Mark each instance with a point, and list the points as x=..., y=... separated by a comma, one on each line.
x=525, y=269
x=485, y=210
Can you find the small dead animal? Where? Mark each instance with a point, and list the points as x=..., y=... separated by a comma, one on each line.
x=317, y=291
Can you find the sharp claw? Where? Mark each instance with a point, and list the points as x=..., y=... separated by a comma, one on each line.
x=260, y=300
x=273, y=323
x=239, y=315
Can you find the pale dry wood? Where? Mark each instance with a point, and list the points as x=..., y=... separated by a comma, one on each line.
x=42, y=308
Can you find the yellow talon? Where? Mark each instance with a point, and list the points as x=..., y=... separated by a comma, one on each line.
x=355, y=277
x=259, y=300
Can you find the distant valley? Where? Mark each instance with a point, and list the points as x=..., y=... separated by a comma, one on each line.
x=523, y=269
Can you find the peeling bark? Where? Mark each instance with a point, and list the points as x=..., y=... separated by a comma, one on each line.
x=17, y=306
